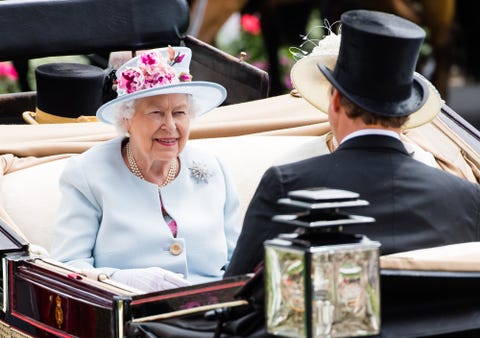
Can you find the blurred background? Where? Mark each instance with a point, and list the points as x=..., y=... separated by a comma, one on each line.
x=267, y=30
x=263, y=33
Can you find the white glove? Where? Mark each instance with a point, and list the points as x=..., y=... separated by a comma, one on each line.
x=150, y=279
x=38, y=250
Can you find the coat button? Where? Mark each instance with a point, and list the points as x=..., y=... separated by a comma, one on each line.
x=176, y=249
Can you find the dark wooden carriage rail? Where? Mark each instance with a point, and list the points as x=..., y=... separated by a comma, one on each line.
x=40, y=28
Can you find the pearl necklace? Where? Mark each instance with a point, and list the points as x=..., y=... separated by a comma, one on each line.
x=172, y=172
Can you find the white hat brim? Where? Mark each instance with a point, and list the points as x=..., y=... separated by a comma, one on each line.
x=314, y=87
x=207, y=95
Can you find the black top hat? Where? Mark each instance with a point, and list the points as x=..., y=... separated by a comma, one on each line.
x=376, y=63
x=68, y=92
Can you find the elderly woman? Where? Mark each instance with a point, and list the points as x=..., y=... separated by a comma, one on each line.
x=146, y=208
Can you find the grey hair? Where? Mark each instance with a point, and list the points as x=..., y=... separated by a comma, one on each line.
x=126, y=110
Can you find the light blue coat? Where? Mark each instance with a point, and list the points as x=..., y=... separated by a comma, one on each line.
x=109, y=218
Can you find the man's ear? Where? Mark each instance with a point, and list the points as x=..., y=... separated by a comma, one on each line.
x=335, y=101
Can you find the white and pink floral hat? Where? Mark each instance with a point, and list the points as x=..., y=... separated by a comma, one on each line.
x=157, y=72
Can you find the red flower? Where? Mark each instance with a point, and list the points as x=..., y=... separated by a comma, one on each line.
x=250, y=24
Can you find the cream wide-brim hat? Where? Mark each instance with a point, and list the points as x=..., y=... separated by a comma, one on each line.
x=314, y=87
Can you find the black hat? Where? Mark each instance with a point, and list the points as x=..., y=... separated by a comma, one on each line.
x=375, y=67
x=68, y=92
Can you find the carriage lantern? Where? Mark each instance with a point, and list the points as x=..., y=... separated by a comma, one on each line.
x=320, y=281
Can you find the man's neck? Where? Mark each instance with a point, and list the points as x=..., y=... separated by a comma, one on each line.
x=350, y=126
x=372, y=131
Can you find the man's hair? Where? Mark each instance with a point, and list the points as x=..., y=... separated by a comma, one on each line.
x=353, y=111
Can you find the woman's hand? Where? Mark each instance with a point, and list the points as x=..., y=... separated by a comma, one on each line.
x=150, y=279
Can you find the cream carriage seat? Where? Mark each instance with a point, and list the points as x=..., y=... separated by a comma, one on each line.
x=29, y=196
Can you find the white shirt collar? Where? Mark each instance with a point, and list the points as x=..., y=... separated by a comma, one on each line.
x=363, y=132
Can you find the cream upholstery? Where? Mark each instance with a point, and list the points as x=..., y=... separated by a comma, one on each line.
x=30, y=195
x=249, y=156
x=454, y=257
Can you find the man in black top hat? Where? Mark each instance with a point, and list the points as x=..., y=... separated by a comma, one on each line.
x=371, y=94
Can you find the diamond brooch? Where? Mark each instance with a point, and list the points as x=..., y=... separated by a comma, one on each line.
x=199, y=172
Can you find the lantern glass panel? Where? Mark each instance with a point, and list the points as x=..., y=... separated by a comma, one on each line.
x=344, y=289
x=285, y=281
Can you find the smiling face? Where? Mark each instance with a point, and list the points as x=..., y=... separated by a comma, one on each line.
x=160, y=127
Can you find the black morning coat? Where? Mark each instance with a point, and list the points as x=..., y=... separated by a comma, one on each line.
x=415, y=206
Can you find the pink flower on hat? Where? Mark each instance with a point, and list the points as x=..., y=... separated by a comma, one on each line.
x=152, y=71
x=150, y=58
x=156, y=71
x=185, y=77
x=131, y=80
x=174, y=58
x=179, y=58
